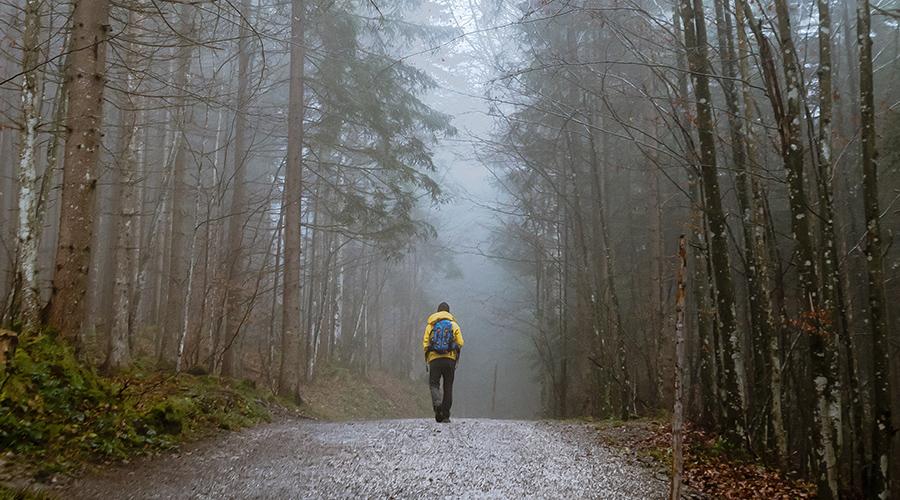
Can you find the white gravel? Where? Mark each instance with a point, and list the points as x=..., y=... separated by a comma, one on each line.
x=468, y=458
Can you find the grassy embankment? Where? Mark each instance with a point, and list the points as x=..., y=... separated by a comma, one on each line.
x=338, y=394
x=58, y=415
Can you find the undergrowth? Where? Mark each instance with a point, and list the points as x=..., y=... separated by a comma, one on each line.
x=712, y=467
x=56, y=412
x=338, y=393
x=22, y=494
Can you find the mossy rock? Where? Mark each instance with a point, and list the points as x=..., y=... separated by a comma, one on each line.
x=168, y=417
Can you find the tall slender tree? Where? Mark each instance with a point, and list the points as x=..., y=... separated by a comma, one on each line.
x=290, y=327
x=882, y=430
x=237, y=218
x=84, y=119
x=180, y=213
x=820, y=333
x=31, y=216
x=698, y=62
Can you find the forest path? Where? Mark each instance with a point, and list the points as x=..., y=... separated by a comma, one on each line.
x=386, y=459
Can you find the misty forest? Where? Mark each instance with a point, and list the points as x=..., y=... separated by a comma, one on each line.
x=658, y=218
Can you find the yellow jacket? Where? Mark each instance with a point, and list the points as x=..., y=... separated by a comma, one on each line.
x=426, y=339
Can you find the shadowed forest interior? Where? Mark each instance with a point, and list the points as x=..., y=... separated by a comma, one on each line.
x=269, y=190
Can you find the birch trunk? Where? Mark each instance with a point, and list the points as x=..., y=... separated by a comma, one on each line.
x=119, y=347
x=831, y=271
x=189, y=287
x=179, y=258
x=314, y=243
x=338, y=297
x=30, y=215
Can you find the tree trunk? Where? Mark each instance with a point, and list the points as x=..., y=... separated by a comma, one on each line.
x=768, y=331
x=193, y=258
x=86, y=80
x=732, y=367
x=235, y=295
x=178, y=250
x=310, y=285
x=678, y=410
x=119, y=347
x=738, y=138
x=290, y=327
x=831, y=273
x=621, y=357
x=276, y=278
x=656, y=280
x=882, y=430
x=338, y=297
x=703, y=366
x=819, y=332
x=30, y=215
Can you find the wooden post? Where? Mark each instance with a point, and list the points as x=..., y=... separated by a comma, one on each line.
x=678, y=411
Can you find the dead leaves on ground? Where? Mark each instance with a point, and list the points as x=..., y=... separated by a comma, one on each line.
x=711, y=470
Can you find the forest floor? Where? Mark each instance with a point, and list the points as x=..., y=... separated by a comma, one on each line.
x=712, y=470
x=339, y=394
x=71, y=433
x=61, y=419
x=387, y=459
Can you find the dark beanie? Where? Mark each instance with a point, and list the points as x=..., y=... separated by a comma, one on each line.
x=443, y=306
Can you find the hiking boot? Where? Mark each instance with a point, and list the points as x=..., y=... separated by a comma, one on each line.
x=446, y=418
x=438, y=416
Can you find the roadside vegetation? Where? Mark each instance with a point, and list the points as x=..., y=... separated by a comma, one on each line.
x=57, y=413
x=712, y=467
x=340, y=394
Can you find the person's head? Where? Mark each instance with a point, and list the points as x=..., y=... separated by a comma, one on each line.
x=443, y=307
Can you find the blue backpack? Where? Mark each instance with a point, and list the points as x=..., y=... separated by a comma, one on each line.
x=442, y=340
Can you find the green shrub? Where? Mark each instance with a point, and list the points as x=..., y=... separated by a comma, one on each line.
x=50, y=401
x=56, y=411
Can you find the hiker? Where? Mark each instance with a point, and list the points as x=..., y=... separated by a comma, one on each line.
x=442, y=343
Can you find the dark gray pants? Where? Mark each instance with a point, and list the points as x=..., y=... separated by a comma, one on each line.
x=438, y=369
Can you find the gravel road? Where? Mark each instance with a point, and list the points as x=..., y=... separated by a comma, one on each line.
x=468, y=458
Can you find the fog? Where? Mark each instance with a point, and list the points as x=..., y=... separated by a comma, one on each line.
x=283, y=192
x=484, y=297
